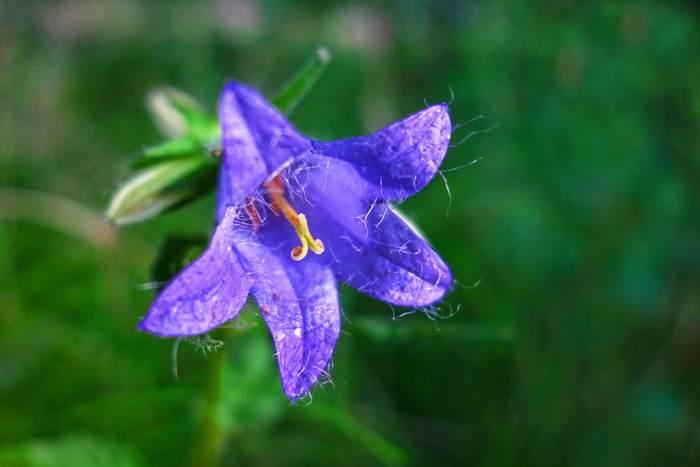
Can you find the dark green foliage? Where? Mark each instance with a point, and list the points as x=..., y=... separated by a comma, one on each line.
x=573, y=334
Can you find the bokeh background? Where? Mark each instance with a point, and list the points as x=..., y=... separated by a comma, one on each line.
x=571, y=338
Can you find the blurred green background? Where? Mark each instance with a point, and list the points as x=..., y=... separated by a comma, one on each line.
x=573, y=335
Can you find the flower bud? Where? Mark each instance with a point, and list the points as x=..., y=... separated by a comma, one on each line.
x=161, y=187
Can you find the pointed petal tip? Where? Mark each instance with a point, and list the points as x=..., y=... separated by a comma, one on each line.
x=423, y=298
x=294, y=396
x=238, y=89
x=439, y=290
x=231, y=84
x=443, y=108
x=442, y=116
x=298, y=387
x=436, y=295
x=167, y=331
x=158, y=329
x=155, y=330
x=235, y=90
x=229, y=87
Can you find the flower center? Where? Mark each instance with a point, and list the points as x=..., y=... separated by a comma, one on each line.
x=279, y=203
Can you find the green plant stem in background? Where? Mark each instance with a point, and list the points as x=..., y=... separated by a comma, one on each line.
x=57, y=213
x=208, y=445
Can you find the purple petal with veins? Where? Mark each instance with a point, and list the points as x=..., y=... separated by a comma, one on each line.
x=298, y=216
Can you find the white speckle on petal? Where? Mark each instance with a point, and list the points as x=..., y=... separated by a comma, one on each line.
x=297, y=332
x=280, y=335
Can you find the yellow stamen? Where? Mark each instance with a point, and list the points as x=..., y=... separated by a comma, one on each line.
x=298, y=221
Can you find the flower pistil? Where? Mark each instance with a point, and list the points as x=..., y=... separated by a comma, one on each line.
x=279, y=203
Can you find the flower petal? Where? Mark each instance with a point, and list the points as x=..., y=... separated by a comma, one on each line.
x=400, y=159
x=257, y=141
x=387, y=260
x=299, y=302
x=368, y=245
x=209, y=292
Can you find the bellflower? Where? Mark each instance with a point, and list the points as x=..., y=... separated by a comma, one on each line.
x=295, y=216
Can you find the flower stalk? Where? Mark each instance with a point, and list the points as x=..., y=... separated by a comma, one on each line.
x=208, y=445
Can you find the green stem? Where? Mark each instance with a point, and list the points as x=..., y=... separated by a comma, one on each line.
x=208, y=444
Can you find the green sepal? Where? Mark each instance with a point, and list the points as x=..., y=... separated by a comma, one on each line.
x=297, y=89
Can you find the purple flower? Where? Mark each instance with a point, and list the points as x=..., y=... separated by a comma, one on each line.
x=282, y=196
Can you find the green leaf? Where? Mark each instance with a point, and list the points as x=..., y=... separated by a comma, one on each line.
x=303, y=82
